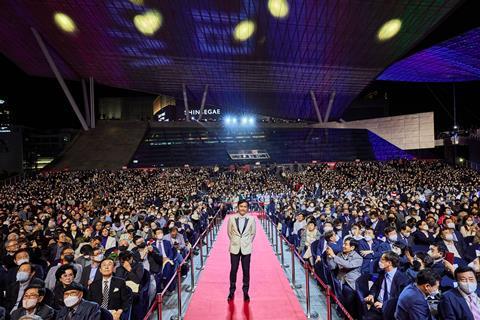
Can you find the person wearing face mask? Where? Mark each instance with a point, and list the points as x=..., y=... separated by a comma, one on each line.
x=25, y=276
x=388, y=286
x=469, y=227
x=370, y=250
x=405, y=234
x=422, y=237
x=67, y=257
x=92, y=271
x=32, y=304
x=446, y=236
x=375, y=223
x=20, y=257
x=77, y=308
x=64, y=275
x=462, y=302
x=391, y=237
x=412, y=303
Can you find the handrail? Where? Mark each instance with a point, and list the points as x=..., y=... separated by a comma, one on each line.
x=157, y=303
x=308, y=268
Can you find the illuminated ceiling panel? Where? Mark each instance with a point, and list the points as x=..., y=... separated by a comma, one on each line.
x=323, y=46
x=454, y=60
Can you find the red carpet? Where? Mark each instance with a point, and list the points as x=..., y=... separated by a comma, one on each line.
x=270, y=293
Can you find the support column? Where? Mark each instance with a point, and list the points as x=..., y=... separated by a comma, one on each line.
x=329, y=108
x=92, y=103
x=86, y=103
x=202, y=105
x=315, y=105
x=185, y=102
x=59, y=78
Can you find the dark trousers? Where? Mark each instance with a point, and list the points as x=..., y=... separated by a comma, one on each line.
x=235, y=261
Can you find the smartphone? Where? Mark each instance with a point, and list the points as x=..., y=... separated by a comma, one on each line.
x=449, y=256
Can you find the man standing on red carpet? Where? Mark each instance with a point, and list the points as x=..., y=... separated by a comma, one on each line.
x=241, y=231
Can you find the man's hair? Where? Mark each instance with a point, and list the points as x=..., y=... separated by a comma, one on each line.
x=352, y=242
x=41, y=289
x=242, y=201
x=20, y=251
x=65, y=248
x=125, y=256
x=427, y=276
x=387, y=230
x=391, y=257
x=329, y=234
x=462, y=269
x=440, y=247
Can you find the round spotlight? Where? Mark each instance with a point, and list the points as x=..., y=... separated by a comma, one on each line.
x=228, y=120
x=389, y=29
x=251, y=120
x=64, y=22
x=149, y=22
x=278, y=8
x=244, y=120
x=234, y=120
x=244, y=30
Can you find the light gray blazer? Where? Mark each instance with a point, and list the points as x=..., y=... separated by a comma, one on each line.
x=348, y=267
x=241, y=241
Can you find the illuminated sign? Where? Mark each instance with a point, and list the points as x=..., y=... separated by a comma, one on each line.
x=248, y=154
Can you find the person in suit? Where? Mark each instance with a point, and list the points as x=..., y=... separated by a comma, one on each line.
x=67, y=256
x=33, y=303
x=25, y=277
x=241, y=232
x=64, y=275
x=463, y=301
x=110, y=292
x=412, y=303
x=369, y=248
x=92, y=271
x=76, y=308
x=422, y=237
x=375, y=223
x=387, y=287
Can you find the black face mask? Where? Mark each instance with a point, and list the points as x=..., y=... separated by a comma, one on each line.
x=69, y=258
x=122, y=248
x=142, y=245
x=416, y=265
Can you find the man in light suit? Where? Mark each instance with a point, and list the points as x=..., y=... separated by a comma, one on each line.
x=412, y=302
x=241, y=232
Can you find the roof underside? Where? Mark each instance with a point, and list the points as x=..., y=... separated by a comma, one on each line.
x=325, y=46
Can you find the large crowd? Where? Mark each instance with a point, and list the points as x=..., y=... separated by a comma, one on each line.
x=99, y=244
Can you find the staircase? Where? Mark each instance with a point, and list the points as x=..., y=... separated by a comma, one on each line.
x=109, y=146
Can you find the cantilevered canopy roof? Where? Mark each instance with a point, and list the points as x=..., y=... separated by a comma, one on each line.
x=454, y=60
x=258, y=56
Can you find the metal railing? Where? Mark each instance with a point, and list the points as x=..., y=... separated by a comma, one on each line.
x=208, y=236
x=278, y=241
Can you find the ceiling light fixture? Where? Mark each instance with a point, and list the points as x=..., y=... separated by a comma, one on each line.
x=389, y=29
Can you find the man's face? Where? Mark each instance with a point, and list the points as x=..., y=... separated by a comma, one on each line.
x=346, y=247
x=73, y=293
x=12, y=247
x=106, y=268
x=32, y=293
x=243, y=208
x=23, y=255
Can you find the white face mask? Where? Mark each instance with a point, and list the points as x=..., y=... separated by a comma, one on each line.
x=71, y=301
x=368, y=238
x=449, y=237
x=451, y=225
x=327, y=229
x=468, y=287
x=22, y=276
x=98, y=258
x=29, y=303
x=21, y=261
x=397, y=251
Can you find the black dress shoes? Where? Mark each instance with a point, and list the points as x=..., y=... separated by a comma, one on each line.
x=230, y=297
x=246, y=297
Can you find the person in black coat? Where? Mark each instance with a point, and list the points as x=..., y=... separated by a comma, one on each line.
x=119, y=297
x=384, y=292
x=76, y=308
x=33, y=303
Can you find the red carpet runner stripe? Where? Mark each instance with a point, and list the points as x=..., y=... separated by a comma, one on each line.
x=270, y=293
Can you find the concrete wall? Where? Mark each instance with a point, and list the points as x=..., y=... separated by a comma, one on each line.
x=408, y=132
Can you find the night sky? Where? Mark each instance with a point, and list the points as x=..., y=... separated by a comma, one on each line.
x=40, y=102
